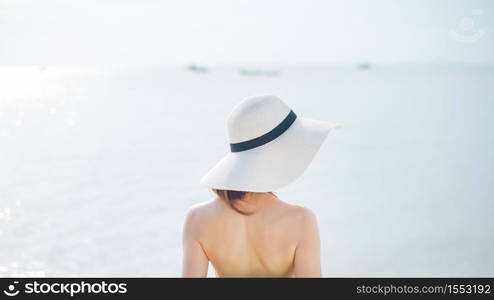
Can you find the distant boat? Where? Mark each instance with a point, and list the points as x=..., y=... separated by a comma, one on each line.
x=254, y=72
x=197, y=68
x=364, y=66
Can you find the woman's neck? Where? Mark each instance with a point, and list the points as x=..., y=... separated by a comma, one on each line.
x=255, y=201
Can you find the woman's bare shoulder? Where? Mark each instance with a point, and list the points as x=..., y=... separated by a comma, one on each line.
x=297, y=210
x=203, y=210
x=300, y=214
x=200, y=217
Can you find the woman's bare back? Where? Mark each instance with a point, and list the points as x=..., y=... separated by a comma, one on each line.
x=278, y=239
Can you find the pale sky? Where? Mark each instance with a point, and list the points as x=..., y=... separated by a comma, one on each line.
x=153, y=32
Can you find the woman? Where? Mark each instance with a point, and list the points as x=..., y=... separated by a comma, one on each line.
x=246, y=230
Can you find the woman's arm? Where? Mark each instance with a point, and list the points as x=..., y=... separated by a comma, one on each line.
x=307, y=255
x=195, y=262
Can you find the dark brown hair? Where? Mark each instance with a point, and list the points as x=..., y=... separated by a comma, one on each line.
x=232, y=197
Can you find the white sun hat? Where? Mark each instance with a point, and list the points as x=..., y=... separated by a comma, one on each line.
x=270, y=146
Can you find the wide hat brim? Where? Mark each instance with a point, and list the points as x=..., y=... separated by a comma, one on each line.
x=272, y=165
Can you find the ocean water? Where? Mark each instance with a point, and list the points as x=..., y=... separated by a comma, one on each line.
x=99, y=165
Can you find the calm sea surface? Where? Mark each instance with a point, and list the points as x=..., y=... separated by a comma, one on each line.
x=98, y=166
